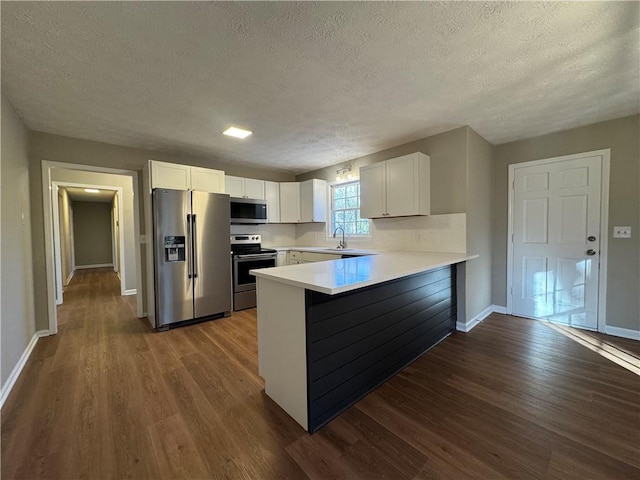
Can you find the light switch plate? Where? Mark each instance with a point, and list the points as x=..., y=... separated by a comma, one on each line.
x=621, y=232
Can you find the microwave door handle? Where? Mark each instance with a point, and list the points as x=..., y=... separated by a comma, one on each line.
x=189, y=245
x=194, y=233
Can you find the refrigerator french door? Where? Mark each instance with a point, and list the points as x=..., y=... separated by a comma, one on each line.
x=192, y=255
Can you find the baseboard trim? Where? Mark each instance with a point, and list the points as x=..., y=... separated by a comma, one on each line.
x=17, y=370
x=69, y=278
x=97, y=265
x=499, y=309
x=622, y=332
x=466, y=327
x=132, y=291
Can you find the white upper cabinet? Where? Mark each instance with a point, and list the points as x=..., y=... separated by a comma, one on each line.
x=289, y=202
x=303, y=202
x=272, y=195
x=396, y=188
x=207, y=180
x=183, y=177
x=373, y=191
x=254, y=188
x=313, y=201
x=234, y=186
x=170, y=175
x=245, y=187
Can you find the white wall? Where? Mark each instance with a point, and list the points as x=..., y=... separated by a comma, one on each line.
x=17, y=320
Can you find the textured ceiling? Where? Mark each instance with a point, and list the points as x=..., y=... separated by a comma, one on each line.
x=79, y=195
x=317, y=82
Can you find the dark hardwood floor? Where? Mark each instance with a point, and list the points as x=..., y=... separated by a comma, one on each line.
x=109, y=398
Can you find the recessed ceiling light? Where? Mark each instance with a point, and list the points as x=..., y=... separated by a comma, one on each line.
x=91, y=190
x=237, y=132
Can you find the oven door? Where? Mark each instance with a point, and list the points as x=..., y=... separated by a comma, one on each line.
x=242, y=264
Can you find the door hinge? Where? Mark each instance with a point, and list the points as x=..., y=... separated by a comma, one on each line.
x=512, y=237
x=513, y=185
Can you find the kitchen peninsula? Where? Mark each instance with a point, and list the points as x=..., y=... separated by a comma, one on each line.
x=330, y=332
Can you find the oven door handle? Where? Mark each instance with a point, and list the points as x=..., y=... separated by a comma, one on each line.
x=256, y=255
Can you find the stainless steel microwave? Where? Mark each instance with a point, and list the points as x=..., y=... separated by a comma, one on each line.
x=248, y=211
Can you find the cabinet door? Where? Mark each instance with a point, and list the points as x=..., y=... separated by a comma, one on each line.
x=207, y=180
x=373, y=195
x=254, y=188
x=272, y=195
x=403, y=186
x=289, y=202
x=234, y=186
x=170, y=175
x=313, y=201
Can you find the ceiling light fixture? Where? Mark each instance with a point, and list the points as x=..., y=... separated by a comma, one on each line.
x=237, y=132
x=91, y=190
x=344, y=174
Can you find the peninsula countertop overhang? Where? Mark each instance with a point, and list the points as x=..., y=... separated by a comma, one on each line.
x=343, y=275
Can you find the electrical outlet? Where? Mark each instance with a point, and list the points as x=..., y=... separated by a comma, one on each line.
x=621, y=232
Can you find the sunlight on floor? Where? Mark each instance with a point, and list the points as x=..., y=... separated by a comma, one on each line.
x=610, y=352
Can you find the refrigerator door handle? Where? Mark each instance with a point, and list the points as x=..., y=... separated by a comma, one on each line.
x=195, y=245
x=189, y=246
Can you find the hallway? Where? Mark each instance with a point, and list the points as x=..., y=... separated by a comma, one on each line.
x=110, y=398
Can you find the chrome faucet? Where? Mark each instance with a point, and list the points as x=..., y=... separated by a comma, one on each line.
x=343, y=243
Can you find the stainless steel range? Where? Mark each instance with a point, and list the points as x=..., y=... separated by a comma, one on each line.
x=248, y=254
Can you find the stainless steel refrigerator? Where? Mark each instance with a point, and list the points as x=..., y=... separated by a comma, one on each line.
x=192, y=255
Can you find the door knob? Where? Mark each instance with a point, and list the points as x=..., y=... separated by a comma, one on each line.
x=591, y=251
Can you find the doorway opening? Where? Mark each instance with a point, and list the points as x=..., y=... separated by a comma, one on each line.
x=89, y=232
x=557, y=239
x=121, y=250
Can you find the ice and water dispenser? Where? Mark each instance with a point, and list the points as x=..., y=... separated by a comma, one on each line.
x=174, y=249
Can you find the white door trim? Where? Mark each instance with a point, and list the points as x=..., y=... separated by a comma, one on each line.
x=56, y=232
x=47, y=203
x=605, y=155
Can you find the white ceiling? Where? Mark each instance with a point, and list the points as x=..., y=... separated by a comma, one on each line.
x=79, y=195
x=317, y=82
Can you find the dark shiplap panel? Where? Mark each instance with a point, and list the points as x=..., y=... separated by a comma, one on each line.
x=357, y=340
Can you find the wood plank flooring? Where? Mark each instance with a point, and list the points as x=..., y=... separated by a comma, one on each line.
x=109, y=398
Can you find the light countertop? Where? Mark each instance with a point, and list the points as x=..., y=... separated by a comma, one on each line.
x=343, y=275
x=329, y=250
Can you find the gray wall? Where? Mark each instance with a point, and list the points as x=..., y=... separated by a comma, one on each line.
x=56, y=148
x=622, y=137
x=479, y=231
x=92, y=233
x=17, y=322
x=460, y=183
x=124, y=182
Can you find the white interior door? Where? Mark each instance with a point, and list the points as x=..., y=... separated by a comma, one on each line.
x=556, y=244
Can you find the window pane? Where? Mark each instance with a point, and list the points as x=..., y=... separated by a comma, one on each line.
x=338, y=192
x=338, y=204
x=352, y=202
x=350, y=228
x=349, y=216
x=352, y=190
x=338, y=219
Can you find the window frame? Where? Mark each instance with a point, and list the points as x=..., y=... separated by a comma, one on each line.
x=330, y=203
